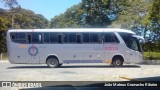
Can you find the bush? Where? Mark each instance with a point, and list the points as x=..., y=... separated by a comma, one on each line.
x=151, y=55
x=152, y=46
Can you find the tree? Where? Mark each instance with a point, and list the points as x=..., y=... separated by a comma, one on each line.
x=152, y=19
x=10, y=3
x=69, y=19
x=97, y=12
x=130, y=13
x=88, y=13
x=23, y=19
x=4, y=24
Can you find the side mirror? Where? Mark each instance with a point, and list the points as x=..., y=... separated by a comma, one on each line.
x=140, y=39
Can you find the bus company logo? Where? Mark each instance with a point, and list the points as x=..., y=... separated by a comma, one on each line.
x=33, y=51
x=6, y=84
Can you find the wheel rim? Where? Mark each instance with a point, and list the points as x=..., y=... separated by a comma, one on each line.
x=52, y=62
x=118, y=62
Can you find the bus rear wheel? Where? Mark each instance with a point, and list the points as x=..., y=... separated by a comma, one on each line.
x=117, y=62
x=52, y=62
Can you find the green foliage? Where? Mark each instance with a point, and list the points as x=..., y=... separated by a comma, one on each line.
x=70, y=19
x=103, y=13
x=151, y=55
x=24, y=19
x=4, y=24
x=152, y=19
x=20, y=19
x=130, y=13
x=97, y=12
x=154, y=47
x=89, y=13
x=27, y=19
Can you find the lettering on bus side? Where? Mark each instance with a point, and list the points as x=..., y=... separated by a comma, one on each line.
x=111, y=48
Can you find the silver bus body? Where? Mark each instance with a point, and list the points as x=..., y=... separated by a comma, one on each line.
x=22, y=49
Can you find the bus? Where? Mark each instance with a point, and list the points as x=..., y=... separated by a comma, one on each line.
x=55, y=47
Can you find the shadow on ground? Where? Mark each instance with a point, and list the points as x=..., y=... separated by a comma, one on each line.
x=77, y=66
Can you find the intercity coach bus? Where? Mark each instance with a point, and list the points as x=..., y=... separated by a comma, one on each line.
x=55, y=47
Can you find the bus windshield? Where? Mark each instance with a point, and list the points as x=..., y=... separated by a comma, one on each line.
x=131, y=41
x=133, y=44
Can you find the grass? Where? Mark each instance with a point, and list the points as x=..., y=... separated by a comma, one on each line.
x=151, y=56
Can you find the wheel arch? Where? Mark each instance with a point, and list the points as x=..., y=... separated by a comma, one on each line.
x=53, y=56
x=118, y=56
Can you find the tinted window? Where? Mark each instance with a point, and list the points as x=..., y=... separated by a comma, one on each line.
x=46, y=37
x=133, y=44
x=18, y=37
x=60, y=39
x=35, y=38
x=53, y=38
x=110, y=37
x=66, y=39
x=72, y=38
x=126, y=37
x=29, y=38
x=94, y=38
x=79, y=39
x=85, y=37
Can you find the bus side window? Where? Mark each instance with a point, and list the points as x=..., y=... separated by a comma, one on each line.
x=94, y=37
x=72, y=37
x=53, y=38
x=22, y=37
x=85, y=37
x=35, y=37
x=46, y=38
x=18, y=37
x=60, y=39
x=115, y=38
x=29, y=38
x=79, y=39
x=12, y=37
x=66, y=39
x=110, y=37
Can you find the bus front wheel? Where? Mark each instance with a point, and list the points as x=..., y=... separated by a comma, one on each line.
x=117, y=62
x=52, y=62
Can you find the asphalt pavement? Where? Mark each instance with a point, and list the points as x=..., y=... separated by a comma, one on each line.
x=78, y=72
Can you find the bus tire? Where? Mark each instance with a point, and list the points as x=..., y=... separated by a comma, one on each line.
x=52, y=62
x=117, y=62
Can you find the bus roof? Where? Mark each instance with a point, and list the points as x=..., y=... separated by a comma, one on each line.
x=73, y=30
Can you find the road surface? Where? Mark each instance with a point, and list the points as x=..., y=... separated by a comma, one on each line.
x=78, y=72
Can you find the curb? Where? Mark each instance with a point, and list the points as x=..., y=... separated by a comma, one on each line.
x=151, y=62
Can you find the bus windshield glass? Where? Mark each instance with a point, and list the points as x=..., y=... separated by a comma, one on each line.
x=131, y=41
